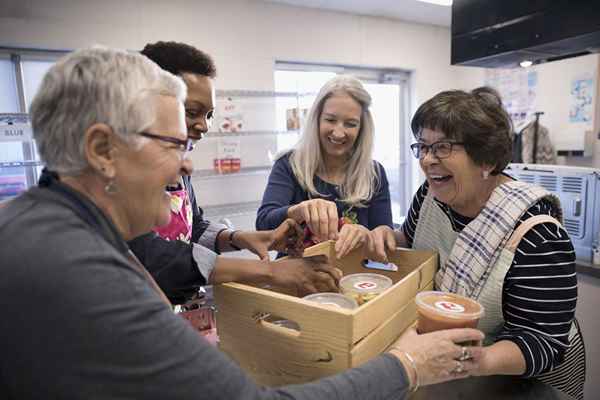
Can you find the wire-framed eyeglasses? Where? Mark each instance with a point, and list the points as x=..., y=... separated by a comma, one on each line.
x=441, y=149
x=183, y=145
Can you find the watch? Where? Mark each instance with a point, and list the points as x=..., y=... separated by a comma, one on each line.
x=230, y=240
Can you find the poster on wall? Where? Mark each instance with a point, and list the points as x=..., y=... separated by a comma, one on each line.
x=228, y=158
x=230, y=115
x=518, y=89
x=582, y=89
x=295, y=118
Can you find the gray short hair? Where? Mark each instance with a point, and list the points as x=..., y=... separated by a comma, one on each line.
x=96, y=85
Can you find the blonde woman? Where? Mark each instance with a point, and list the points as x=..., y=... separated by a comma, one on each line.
x=329, y=181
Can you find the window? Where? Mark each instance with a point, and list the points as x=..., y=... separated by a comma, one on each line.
x=33, y=73
x=9, y=101
x=21, y=72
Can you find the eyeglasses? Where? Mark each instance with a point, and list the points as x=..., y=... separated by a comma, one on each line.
x=182, y=145
x=439, y=150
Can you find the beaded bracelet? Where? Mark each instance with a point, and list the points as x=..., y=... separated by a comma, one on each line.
x=414, y=367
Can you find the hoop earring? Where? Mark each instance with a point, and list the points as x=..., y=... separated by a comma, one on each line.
x=110, y=187
x=486, y=175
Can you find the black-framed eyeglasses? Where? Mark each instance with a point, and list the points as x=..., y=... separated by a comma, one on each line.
x=441, y=149
x=182, y=145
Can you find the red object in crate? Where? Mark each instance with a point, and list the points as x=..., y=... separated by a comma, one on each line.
x=348, y=217
x=203, y=321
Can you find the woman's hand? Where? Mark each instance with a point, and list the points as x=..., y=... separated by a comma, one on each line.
x=286, y=238
x=438, y=356
x=321, y=217
x=305, y=275
x=501, y=358
x=351, y=236
x=381, y=241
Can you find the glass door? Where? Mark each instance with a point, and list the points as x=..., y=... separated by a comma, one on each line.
x=21, y=72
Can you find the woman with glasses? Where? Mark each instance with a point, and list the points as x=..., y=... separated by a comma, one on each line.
x=500, y=241
x=329, y=181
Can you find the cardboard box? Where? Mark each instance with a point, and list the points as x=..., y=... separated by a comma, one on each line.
x=328, y=340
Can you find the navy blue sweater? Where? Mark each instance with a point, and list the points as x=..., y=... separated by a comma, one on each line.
x=283, y=190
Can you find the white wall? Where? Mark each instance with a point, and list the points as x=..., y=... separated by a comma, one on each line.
x=244, y=36
x=554, y=99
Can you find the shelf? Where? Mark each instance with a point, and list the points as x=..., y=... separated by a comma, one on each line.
x=11, y=118
x=13, y=164
x=210, y=135
x=248, y=171
x=231, y=210
x=260, y=93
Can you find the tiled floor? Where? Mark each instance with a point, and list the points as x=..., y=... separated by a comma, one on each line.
x=588, y=314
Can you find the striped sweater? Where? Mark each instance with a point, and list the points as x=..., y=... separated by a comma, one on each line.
x=540, y=289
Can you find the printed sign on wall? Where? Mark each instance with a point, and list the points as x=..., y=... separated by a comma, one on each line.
x=15, y=133
x=582, y=91
x=518, y=89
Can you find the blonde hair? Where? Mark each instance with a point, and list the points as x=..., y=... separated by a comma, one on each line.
x=306, y=159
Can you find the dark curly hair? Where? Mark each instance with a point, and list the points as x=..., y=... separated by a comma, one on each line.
x=475, y=118
x=178, y=58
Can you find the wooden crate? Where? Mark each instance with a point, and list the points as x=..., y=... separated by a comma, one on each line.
x=329, y=340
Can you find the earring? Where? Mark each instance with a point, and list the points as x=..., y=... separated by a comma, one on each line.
x=110, y=187
x=486, y=174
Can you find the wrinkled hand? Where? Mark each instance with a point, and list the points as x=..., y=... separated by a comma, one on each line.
x=351, y=236
x=437, y=355
x=286, y=238
x=321, y=217
x=381, y=241
x=306, y=275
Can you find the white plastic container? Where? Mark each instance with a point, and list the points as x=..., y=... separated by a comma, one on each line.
x=364, y=287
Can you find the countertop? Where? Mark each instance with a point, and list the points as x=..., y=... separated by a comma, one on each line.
x=490, y=388
x=588, y=269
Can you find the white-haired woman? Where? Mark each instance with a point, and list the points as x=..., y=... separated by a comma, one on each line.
x=329, y=181
x=111, y=126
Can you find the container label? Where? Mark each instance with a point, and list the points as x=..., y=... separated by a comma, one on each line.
x=449, y=306
x=365, y=285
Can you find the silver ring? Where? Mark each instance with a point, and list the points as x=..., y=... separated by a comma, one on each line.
x=459, y=369
x=464, y=355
